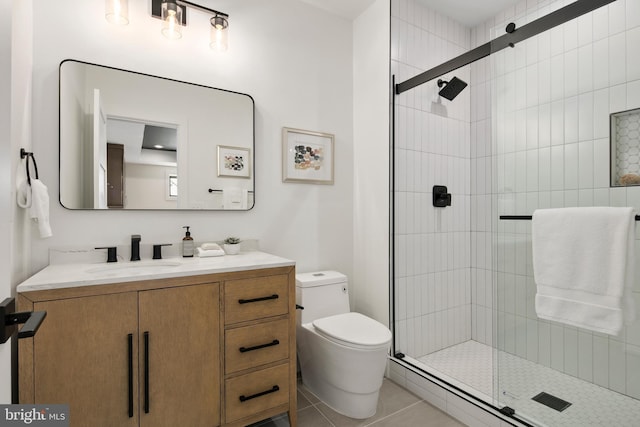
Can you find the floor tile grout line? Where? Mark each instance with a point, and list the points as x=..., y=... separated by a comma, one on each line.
x=394, y=413
x=315, y=406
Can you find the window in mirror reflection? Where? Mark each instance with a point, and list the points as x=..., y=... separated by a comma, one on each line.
x=172, y=186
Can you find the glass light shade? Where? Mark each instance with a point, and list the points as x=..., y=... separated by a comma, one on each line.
x=219, y=33
x=171, y=20
x=117, y=11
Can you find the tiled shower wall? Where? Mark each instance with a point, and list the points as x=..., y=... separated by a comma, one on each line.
x=551, y=99
x=531, y=131
x=433, y=253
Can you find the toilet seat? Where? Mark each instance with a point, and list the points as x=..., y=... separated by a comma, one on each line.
x=353, y=330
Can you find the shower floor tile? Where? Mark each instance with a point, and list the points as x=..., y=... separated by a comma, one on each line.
x=518, y=380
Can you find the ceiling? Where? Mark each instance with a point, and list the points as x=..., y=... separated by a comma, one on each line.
x=467, y=12
x=140, y=140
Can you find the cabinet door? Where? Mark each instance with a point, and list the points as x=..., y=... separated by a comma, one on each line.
x=85, y=355
x=180, y=356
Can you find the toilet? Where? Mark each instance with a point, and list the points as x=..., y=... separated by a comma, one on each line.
x=342, y=354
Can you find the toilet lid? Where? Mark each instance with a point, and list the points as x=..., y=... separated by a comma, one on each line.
x=354, y=328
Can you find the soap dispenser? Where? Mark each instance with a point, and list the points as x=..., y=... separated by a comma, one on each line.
x=188, y=248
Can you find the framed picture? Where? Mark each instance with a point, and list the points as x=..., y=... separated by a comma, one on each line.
x=307, y=156
x=234, y=162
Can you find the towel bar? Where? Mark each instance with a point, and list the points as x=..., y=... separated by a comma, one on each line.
x=524, y=217
x=29, y=155
x=211, y=190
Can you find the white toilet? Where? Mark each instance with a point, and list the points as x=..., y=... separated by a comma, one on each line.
x=342, y=354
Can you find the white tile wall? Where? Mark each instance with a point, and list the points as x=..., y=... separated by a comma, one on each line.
x=433, y=262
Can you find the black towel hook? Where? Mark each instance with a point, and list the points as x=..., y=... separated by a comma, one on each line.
x=24, y=153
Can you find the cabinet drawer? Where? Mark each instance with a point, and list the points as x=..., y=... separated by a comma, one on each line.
x=256, y=345
x=258, y=391
x=251, y=299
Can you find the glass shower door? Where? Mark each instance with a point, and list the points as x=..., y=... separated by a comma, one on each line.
x=551, y=97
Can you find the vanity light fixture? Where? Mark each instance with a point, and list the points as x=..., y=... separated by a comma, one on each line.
x=117, y=11
x=219, y=32
x=173, y=14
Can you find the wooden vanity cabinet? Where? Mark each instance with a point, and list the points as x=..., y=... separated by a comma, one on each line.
x=165, y=352
x=179, y=354
x=81, y=358
x=259, y=343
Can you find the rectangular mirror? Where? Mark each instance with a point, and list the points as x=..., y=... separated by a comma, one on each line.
x=135, y=141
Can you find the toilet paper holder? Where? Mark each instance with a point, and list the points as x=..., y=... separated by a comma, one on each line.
x=10, y=320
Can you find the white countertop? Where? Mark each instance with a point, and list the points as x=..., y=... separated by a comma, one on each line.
x=72, y=275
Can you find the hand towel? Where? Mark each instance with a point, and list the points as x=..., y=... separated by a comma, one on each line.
x=204, y=253
x=23, y=194
x=40, y=207
x=210, y=246
x=234, y=198
x=583, y=264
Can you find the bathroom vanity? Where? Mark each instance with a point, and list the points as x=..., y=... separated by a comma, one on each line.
x=196, y=342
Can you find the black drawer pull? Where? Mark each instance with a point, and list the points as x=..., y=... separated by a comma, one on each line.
x=258, y=347
x=273, y=389
x=146, y=372
x=247, y=301
x=130, y=371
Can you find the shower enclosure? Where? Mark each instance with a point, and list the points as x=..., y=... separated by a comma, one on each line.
x=531, y=130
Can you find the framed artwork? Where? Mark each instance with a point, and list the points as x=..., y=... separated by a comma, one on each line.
x=307, y=156
x=234, y=162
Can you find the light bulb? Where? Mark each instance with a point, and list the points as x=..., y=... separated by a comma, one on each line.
x=171, y=20
x=219, y=39
x=117, y=12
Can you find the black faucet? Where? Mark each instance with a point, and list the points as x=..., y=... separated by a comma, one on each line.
x=135, y=247
x=112, y=254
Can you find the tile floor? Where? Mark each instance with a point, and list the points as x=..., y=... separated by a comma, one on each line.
x=396, y=407
x=520, y=380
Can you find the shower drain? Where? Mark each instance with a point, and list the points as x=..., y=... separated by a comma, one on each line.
x=551, y=401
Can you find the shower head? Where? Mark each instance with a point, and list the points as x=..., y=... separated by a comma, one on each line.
x=451, y=88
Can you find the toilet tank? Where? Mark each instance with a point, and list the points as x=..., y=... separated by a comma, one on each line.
x=322, y=294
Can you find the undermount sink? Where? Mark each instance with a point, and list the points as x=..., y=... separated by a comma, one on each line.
x=133, y=267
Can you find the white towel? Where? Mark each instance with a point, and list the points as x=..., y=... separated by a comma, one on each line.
x=583, y=263
x=39, y=210
x=234, y=198
x=210, y=246
x=204, y=253
x=23, y=194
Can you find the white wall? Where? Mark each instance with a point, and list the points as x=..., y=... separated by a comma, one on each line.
x=296, y=62
x=5, y=186
x=370, y=282
x=15, y=106
x=145, y=186
x=77, y=180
